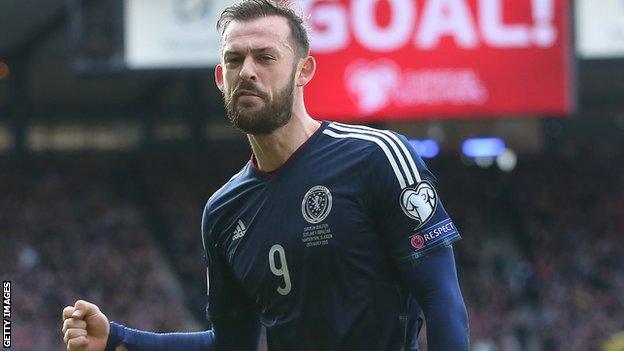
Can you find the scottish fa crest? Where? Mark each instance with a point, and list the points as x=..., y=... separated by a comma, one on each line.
x=316, y=204
x=419, y=202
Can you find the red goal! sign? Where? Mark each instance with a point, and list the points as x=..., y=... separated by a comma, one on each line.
x=410, y=59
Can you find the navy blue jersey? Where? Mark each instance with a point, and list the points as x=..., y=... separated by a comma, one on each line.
x=314, y=247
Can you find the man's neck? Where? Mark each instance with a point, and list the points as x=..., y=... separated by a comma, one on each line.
x=273, y=150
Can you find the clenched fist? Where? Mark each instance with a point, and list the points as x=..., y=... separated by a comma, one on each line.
x=85, y=327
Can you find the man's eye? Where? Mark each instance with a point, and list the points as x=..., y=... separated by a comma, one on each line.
x=266, y=58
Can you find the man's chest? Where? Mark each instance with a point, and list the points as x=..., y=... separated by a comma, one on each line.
x=292, y=232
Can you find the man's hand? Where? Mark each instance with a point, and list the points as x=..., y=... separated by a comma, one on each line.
x=85, y=327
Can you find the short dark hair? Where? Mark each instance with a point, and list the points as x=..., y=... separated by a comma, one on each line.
x=247, y=10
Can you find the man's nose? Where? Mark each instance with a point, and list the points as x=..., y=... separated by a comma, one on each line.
x=248, y=71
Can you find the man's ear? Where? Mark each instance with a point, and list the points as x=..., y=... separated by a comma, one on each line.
x=307, y=67
x=219, y=76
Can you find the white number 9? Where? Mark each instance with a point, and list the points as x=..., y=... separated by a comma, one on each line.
x=282, y=271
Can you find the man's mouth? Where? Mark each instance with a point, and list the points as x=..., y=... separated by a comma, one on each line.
x=244, y=92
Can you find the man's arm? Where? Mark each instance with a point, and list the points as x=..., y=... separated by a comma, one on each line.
x=234, y=315
x=139, y=340
x=240, y=335
x=417, y=232
x=86, y=328
x=432, y=280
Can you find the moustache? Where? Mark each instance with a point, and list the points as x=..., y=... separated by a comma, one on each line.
x=246, y=88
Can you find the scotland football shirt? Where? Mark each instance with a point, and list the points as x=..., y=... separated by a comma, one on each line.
x=314, y=246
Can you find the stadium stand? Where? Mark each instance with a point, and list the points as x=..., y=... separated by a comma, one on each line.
x=540, y=263
x=76, y=217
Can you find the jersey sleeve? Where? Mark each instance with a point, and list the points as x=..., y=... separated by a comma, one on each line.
x=226, y=297
x=404, y=203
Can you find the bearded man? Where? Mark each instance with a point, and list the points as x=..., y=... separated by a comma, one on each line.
x=324, y=238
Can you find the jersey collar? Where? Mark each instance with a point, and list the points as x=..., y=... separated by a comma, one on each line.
x=272, y=174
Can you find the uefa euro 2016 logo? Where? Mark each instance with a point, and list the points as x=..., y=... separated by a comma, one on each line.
x=316, y=204
x=419, y=203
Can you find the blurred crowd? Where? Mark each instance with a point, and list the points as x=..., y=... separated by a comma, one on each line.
x=74, y=232
x=540, y=263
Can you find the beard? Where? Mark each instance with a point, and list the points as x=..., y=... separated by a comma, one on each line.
x=273, y=115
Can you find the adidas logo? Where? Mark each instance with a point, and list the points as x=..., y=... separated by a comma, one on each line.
x=240, y=230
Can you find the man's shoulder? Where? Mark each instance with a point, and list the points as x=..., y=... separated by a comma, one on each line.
x=227, y=190
x=377, y=146
x=364, y=137
x=218, y=204
x=385, y=153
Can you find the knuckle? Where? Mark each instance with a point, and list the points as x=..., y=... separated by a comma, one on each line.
x=76, y=342
x=73, y=332
x=74, y=323
x=67, y=311
x=80, y=324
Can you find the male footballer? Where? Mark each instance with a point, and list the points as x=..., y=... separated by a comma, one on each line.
x=322, y=237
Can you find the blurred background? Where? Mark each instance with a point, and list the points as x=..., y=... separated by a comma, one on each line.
x=113, y=135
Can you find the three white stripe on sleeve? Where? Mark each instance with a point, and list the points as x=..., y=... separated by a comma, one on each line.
x=382, y=138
